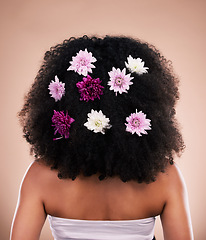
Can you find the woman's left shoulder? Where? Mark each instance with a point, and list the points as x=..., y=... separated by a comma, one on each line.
x=36, y=176
x=37, y=168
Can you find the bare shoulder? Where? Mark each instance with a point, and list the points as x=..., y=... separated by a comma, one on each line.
x=175, y=217
x=173, y=178
x=37, y=169
x=30, y=213
x=36, y=176
x=173, y=171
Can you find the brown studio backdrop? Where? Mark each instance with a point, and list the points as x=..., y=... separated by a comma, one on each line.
x=29, y=28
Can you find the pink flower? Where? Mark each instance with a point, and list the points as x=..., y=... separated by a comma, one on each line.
x=90, y=88
x=119, y=81
x=82, y=63
x=137, y=123
x=57, y=89
x=62, y=123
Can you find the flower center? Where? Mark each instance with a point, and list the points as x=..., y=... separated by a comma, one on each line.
x=136, y=122
x=82, y=62
x=118, y=81
x=98, y=123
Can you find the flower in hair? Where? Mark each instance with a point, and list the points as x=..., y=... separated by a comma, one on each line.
x=137, y=123
x=62, y=124
x=57, y=89
x=97, y=122
x=119, y=81
x=90, y=88
x=82, y=63
x=136, y=65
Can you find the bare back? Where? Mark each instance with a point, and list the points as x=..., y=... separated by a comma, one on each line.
x=110, y=199
x=43, y=193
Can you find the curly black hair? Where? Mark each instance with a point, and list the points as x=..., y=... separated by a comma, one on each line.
x=117, y=152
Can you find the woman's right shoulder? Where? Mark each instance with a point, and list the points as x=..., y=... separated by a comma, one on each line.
x=175, y=217
x=173, y=178
x=170, y=183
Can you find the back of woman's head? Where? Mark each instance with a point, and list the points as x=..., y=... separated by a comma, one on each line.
x=96, y=108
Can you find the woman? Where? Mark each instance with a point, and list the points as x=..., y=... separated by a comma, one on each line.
x=100, y=119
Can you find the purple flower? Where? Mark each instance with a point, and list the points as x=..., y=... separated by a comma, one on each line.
x=90, y=88
x=137, y=123
x=57, y=89
x=62, y=123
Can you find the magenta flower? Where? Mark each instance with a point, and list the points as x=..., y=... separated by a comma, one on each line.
x=82, y=63
x=62, y=124
x=57, y=89
x=90, y=88
x=137, y=123
x=119, y=81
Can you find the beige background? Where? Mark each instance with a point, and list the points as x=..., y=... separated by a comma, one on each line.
x=29, y=28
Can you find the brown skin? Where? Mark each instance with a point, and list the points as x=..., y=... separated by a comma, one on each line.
x=42, y=193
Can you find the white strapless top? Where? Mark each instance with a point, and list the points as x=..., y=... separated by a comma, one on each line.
x=73, y=229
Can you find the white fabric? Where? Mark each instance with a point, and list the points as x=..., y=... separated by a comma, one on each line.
x=73, y=229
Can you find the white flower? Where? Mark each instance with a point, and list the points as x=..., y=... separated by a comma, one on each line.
x=97, y=122
x=136, y=65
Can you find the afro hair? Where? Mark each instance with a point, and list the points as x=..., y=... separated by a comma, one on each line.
x=117, y=152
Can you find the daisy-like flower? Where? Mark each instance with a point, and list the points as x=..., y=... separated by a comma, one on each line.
x=137, y=123
x=97, y=122
x=82, y=63
x=62, y=124
x=57, y=89
x=136, y=65
x=119, y=81
x=90, y=88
